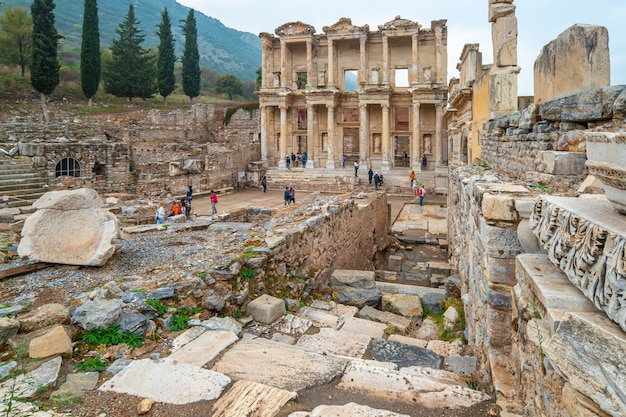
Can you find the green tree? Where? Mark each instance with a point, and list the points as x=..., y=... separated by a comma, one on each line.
x=229, y=84
x=259, y=78
x=166, y=59
x=131, y=71
x=191, y=58
x=44, y=67
x=90, y=64
x=16, y=31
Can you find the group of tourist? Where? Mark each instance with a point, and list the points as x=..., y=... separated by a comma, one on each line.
x=418, y=191
x=295, y=160
x=375, y=177
x=183, y=206
x=290, y=196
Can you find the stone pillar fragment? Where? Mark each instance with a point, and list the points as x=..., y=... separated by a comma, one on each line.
x=331, y=64
x=504, y=37
x=385, y=60
x=283, y=63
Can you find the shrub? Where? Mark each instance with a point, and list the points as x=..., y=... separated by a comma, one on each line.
x=92, y=364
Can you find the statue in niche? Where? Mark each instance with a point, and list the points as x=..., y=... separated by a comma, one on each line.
x=427, y=74
x=377, y=144
x=428, y=147
x=324, y=142
x=321, y=78
x=276, y=80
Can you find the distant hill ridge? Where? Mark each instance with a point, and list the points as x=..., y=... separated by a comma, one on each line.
x=226, y=50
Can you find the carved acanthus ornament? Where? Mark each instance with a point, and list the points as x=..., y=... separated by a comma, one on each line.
x=344, y=25
x=399, y=23
x=294, y=28
x=591, y=255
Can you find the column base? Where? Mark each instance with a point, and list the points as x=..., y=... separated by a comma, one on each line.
x=282, y=163
x=330, y=165
x=417, y=167
x=310, y=164
x=384, y=167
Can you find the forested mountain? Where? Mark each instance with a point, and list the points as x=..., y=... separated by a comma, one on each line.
x=226, y=50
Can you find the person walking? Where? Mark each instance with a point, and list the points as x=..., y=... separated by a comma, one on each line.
x=288, y=161
x=414, y=186
x=304, y=159
x=292, y=196
x=213, y=202
x=370, y=175
x=424, y=161
x=160, y=213
x=287, y=196
x=412, y=177
x=264, y=184
x=356, y=168
x=376, y=180
x=421, y=193
x=343, y=161
x=188, y=199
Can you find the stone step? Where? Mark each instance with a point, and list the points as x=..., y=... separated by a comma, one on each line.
x=19, y=171
x=20, y=181
x=21, y=189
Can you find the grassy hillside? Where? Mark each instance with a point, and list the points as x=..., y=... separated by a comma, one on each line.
x=226, y=50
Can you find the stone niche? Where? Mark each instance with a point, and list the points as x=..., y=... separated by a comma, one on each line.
x=577, y=60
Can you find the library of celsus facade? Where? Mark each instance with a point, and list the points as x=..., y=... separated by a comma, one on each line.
x=367, y=95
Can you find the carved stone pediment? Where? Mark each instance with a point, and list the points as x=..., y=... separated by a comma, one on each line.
x=344, y=25
x=399, y=24
x=294, y=28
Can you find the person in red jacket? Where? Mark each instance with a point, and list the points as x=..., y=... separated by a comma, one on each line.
x=213, y=202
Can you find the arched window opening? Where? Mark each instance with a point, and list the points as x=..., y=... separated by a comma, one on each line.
x=67, y=167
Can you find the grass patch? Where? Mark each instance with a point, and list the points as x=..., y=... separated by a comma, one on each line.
x=92, y=364
x=112, y=336
x=158, y=306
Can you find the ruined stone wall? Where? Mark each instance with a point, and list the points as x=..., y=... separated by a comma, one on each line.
x=545, y=143
x=348, y=237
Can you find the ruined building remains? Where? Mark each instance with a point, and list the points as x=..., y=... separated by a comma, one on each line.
x=367, y=95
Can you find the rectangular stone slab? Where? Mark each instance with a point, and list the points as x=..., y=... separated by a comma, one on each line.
x=204, y=348
x=335, y=342
x=278, y=365
x=167, y=381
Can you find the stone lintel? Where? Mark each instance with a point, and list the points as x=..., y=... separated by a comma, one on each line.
x=556, y=295
x=563, y=163
x=586, y=238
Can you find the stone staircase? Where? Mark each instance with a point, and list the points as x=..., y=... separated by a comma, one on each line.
x=21, y=181
x=338, y=180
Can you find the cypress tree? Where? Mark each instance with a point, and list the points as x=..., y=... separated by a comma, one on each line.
x=131, y=72
x=191, y=58
x=90, y=65
x=165, y=62
x=44, y=68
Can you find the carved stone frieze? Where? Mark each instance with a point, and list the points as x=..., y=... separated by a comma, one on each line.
x=399, y=23
x=586, y=239
x=344, y=25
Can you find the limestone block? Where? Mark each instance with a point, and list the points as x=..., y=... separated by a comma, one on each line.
x=395, y=263
x=587, y=106
x=356, y=296
x=527, y=239
x=555, y=76
x=69, y=227
x=347, y=410
x=193, y=166
x=8, y=329
x=588, y=349
x=504, y=37
x=356, y=279
x=498, y=242
x=563, y=163
x=266, y=309
x=44, y=316
x=27, y=385
x=398, y=322
x=500, y=9
x=31, y=149
x=460, y=364
x=499, y=208
x=502, y=92
x=580, y=405
x=405, y=305
x=524, y=207
x=54, y=342
x=246, y=398
x=334, y=342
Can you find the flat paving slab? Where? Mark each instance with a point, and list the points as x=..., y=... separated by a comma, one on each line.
x=426, y=387
x=334, y=342
x=348, y=410
x=204, y=348
x=279, y=365
x=167, y=381
x=361, y=326
x=247, y=398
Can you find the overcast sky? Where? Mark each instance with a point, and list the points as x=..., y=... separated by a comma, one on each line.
x=539, y=21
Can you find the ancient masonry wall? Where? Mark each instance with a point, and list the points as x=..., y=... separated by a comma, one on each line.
x=345, y=236
x=536, y=273
x=545, y=143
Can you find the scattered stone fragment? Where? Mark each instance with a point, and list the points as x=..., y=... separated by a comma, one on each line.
x=27, y=385
x=348, y=410
x=404, y=355
x=144, y=406
x=76, y=385
x=333, y=342
x=266, y=309
x=246, y=398
x=54, y=342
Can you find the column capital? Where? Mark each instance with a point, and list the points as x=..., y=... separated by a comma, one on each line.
x=417, y=104
x=330, y=106
x=283, y=106
x=385, y=106
x=362, y=106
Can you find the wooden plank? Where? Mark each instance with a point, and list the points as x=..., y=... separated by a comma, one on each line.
x=24, y=269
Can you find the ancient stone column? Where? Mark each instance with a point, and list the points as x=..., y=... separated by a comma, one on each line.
x=310, y=136
x=267, y=66
x=415, y=59
x=309, y=64
x=385, y=148
x=438, y=54
x=363, y=61
x=264, y=134
x=385, y=60
x=283, y=136
x=416, y=152
x=364, y=134
x=283, y=63
x=330, y=163
x=439, y=132
x=331, y=64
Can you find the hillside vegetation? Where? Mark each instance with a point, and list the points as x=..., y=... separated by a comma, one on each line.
x=225, y=50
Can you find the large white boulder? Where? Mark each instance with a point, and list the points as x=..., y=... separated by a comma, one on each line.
x=69, y=227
